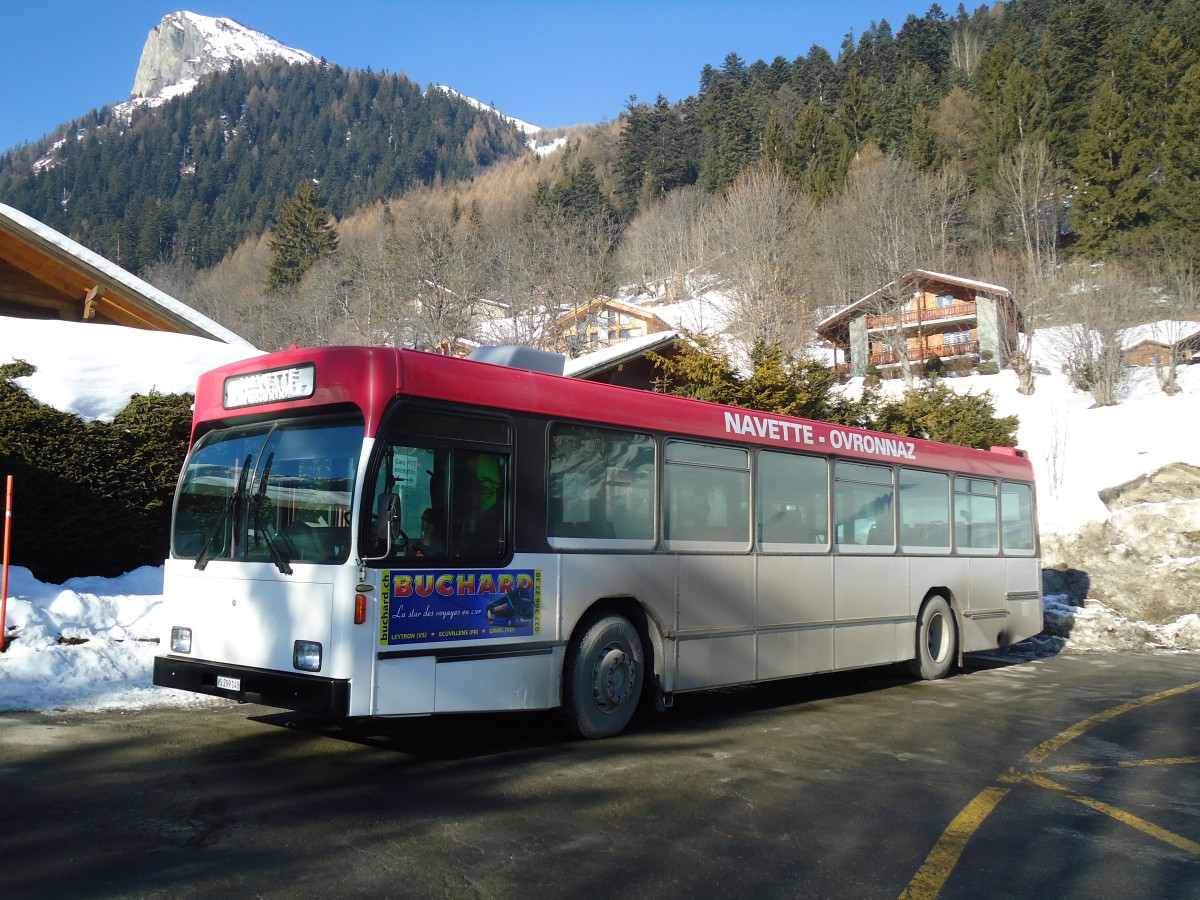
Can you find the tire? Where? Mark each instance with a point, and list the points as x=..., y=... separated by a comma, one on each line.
x=602, y=678
x=937, y=641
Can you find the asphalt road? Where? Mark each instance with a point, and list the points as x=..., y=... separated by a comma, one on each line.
x=1074, y=776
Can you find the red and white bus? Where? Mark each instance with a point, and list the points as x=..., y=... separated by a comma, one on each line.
x=364, y=532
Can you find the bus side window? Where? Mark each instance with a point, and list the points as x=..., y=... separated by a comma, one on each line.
x=975, y=515
x=706, y=495
x=1016, y=515
x=864, y=503
x=924, y=511
x=793, y=501
x=451, y=473
x=600, y=485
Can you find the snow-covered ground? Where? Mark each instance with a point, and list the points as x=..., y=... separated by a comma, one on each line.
x=90, y=643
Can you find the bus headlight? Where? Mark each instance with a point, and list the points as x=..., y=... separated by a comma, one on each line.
x=181, y=639
x=306, y=656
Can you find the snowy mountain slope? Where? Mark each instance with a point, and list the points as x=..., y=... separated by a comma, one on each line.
x=185, y=46
x=530, y=131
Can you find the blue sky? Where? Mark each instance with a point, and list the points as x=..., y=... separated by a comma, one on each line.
x=559, y=63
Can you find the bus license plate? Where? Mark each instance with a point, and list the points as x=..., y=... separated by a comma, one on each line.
x=229, y=684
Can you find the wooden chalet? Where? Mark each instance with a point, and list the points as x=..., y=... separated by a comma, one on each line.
x=604, y=322
x=1158, y=343
x=923, y=315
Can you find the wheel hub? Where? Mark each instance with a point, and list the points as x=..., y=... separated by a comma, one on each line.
x=612, y=678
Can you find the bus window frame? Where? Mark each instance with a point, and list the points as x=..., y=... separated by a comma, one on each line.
x=1030, y=522
x=973, y=551
x=926, y=549
x=390, y=434
x=596, y=544
x=693, y=545
x=785, y=548
x=855, y=548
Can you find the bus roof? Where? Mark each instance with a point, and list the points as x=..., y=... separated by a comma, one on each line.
x=369, y=378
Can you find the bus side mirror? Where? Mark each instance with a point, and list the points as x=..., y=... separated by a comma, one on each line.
x=387, y=517
x=385, y=526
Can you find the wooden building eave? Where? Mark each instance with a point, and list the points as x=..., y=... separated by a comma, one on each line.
x=45, y=275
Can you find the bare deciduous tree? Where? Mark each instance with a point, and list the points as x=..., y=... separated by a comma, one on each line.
x=662, y=247
x=440, y=271
x=1096, y=305
x=1018, y=319
x=754, y=236
x=1028, y=184
x=363, y=283
x=545, y=262
x=1177, y=269
x=967, y=48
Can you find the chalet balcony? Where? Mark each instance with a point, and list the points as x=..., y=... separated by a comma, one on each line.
x=914, y=317
x=946, y=352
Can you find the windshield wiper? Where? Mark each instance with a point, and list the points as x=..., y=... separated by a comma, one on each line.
x=230, y=505
x=281, y=561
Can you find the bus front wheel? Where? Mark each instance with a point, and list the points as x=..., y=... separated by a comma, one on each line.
x=937, y=641
x=602, y=678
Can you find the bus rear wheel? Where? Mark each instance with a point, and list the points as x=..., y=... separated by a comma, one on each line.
x=937, y=641
x=602, y=678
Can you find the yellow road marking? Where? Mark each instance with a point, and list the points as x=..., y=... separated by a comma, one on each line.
x=1168, y=837
x=1038, y=754
x=932, y=875
x=929, y=880
x=1125, y=764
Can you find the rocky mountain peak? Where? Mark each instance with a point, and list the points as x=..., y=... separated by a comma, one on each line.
x=184, y=46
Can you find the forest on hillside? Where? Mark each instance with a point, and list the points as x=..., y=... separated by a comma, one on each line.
x=194, y=178
x=1045, y=145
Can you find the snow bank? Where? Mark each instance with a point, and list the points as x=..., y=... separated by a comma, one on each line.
x=92, y=370
x=88, y=643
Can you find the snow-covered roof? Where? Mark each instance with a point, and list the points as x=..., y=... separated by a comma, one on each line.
x=590, y=363
x=112, y=277
x=1165, y=331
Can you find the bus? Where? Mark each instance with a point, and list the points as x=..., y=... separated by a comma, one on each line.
x=364, y=532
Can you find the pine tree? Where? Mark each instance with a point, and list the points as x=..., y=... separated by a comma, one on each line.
x=921, y=149
x=303, y=235
x=822, y=152
x=1113, y=191
x=855, y=107
x=1181, y=154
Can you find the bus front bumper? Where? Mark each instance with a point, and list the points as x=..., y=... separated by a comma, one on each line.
x=303, y=693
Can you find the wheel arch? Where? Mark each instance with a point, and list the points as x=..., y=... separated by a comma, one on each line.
x=649, y=629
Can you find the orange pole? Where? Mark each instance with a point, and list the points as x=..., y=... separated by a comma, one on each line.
x=8, y=488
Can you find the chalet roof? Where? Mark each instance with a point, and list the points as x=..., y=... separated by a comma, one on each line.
x=830, y=325
x=590, y=364
x=44, y=274
x=585, y=310
x=1168, y=332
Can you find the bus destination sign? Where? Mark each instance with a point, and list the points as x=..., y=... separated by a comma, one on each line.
x=295, y=383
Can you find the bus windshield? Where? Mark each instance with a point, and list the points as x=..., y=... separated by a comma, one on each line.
x=277, y=492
